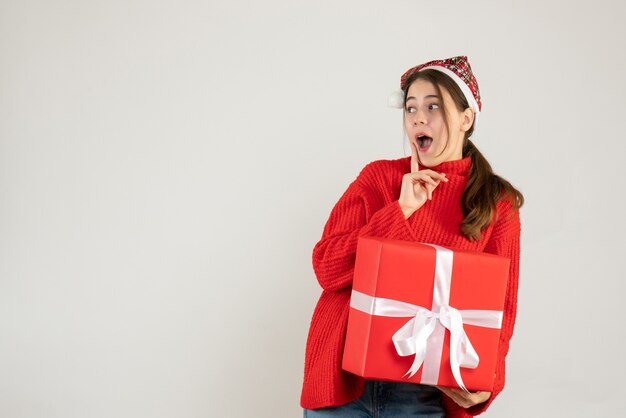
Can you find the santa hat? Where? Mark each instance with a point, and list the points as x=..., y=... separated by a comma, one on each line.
x=458, y=69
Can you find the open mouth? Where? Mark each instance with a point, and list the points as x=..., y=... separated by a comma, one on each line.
x=424, y=142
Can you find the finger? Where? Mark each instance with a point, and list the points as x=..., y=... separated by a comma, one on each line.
x=447, y=391
x=452, y=396
x=458, y=396
x=431, y=181
x=466, y=399
x=424, y=178
x=434, y=174
x=444, y=390
x=414, y=164
x=429, y=189
x=462, y=394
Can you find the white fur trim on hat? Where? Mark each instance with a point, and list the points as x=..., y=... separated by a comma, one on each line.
x=464, y=88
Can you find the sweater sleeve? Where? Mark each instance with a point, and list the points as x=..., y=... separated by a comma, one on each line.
x=354, y=215
x=504, y=241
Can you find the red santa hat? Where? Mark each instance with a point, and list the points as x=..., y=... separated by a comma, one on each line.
x=458, y=69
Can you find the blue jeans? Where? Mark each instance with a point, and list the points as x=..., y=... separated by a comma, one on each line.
x=382, y=399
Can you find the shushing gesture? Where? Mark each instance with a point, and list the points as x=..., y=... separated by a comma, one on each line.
x=418, y=185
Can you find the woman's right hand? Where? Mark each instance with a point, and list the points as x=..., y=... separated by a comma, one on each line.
x=418, y=185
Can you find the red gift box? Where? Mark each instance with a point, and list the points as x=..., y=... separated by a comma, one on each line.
x=424, y=313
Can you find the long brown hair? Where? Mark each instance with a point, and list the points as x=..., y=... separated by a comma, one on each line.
x=484, y=188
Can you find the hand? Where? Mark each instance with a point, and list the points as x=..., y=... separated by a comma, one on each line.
x=463, y=398
x=418, y=185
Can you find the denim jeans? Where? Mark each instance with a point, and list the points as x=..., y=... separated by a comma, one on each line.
x=382, y=399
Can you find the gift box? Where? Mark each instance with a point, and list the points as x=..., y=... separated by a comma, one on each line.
x=424, y=313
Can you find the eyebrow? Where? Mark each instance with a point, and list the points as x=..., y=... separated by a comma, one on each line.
x=427, y=97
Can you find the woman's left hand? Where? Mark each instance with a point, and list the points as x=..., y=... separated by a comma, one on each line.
x=463, y=398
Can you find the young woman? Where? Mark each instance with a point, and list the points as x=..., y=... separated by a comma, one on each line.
x=445, y=193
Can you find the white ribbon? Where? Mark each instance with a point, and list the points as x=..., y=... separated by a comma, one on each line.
x=424, y=333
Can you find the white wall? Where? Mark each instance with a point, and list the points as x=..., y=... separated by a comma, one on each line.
x=167, y=167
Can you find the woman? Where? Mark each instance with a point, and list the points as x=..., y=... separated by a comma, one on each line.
x=445, y=193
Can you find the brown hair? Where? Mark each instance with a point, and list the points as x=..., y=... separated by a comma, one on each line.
x=484, y=188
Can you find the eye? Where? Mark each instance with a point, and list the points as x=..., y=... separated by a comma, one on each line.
x=436, y=106
x=409, y=109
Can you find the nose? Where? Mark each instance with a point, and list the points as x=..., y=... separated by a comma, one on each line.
x=419, y=117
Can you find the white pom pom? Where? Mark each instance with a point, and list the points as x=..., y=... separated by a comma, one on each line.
x=396, y=99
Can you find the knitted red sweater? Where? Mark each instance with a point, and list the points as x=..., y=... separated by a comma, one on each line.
x=370, y=207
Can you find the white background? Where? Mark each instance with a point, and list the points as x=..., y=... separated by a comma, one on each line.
x=167, y=167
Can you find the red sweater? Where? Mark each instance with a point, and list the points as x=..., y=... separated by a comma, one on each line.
x=370, y=207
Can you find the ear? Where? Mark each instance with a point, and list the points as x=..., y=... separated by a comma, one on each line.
x=467, y=118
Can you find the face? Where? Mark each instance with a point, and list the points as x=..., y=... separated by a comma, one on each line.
x=425, y=126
